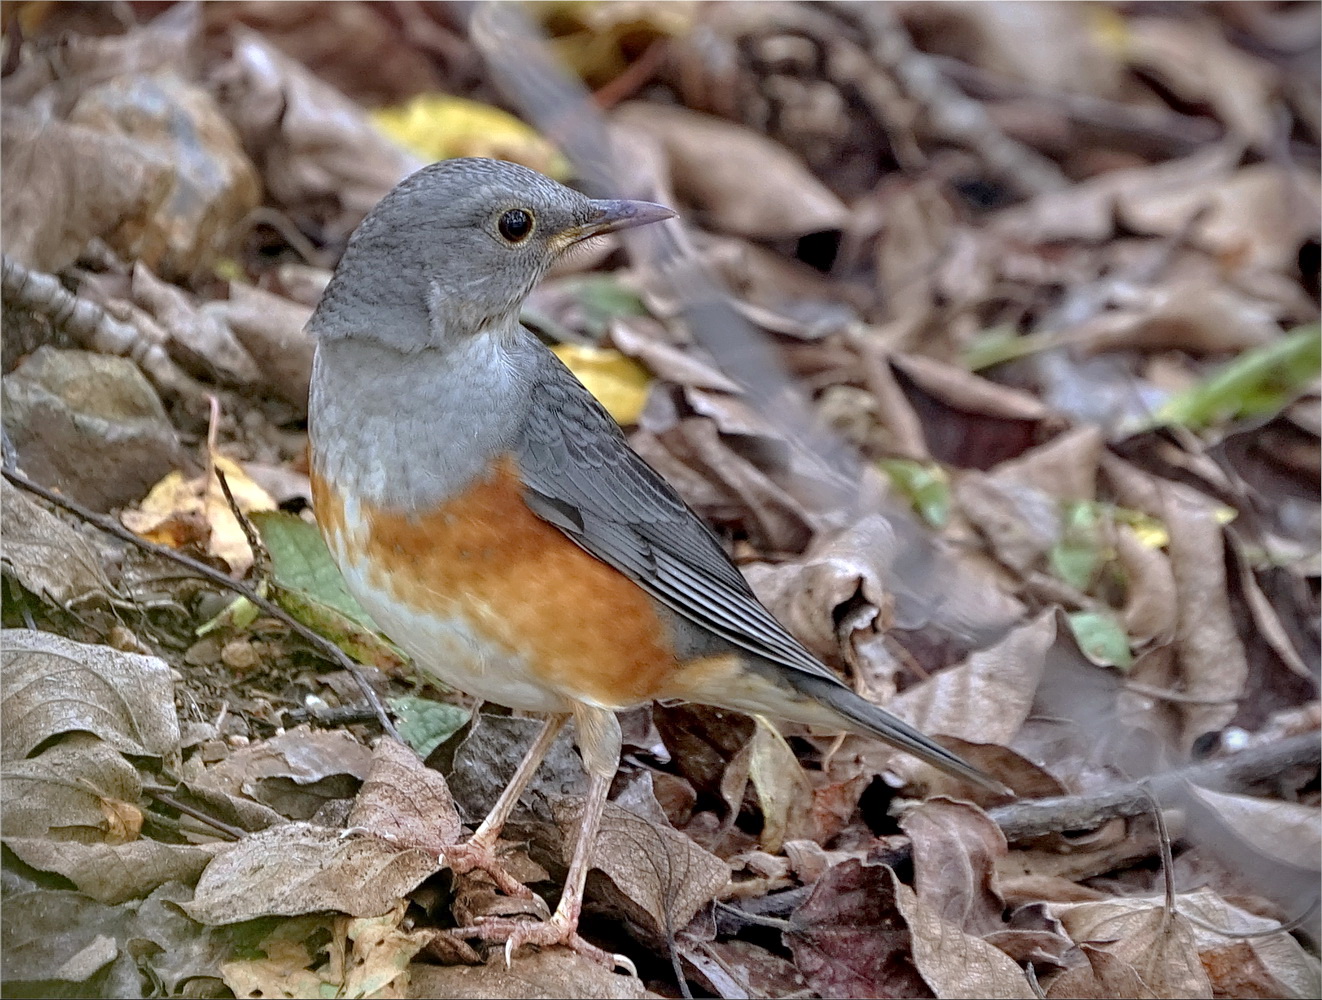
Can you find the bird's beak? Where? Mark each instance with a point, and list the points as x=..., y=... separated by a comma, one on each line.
x=615, y=215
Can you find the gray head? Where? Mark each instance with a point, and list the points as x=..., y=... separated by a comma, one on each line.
x=454, y=250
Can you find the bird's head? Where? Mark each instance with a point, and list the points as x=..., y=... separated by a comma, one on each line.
x=455, y=249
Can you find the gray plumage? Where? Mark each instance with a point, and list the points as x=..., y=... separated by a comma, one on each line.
x=425, y=372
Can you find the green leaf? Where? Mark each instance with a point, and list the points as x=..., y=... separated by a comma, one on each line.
x=602, y=297
x=309, y=586
x=301, y=561
x=924, y=484
x=1257, y=383
x=426, y=724
x=1080, y=553
x=999, y=344
x=1101, y=638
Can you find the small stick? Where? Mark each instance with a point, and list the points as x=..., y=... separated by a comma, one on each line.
x=112, y=527
x=1038, y=817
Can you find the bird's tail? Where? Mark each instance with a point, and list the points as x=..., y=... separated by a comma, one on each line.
x=867, y=719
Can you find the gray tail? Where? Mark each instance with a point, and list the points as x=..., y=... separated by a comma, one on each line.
x=868, y=719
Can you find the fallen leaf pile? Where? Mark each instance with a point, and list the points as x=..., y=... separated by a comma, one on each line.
x=988, y=343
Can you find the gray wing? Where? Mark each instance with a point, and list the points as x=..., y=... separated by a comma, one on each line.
x=581, y=475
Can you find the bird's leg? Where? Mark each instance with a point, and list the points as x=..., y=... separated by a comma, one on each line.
x=478, y=852
x=599, y=741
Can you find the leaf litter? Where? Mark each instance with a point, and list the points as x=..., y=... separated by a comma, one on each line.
x=1057, y=303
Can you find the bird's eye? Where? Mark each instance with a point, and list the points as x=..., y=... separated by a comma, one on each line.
x=515, y=225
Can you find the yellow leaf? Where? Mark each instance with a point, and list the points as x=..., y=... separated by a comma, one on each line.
x=180, y=511
x=619, y=383
x=441, y=127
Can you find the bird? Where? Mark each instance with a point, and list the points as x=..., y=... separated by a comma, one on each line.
x=491, y=517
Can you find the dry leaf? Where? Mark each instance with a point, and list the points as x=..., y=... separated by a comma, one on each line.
x=300, y=868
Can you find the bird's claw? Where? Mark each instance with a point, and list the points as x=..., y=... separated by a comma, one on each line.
x=558, y=930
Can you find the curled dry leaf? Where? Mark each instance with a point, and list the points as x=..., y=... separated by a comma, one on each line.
x=711, y=162
x=46, y=555
x=113, y=873
x=53, y=686
x=298, y=868
x=846, y=568
x=405, y=801
x=662, y=871
x=536, y=975
x=955, y=850
x=985, y=699
x=81, y=789
x=864, y=933
x=318, y=152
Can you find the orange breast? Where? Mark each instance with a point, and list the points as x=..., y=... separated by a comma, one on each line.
x=585, y=630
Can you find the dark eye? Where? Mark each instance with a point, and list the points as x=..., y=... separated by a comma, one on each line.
x=515, y=225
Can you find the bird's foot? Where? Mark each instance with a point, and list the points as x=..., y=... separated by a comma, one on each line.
x=480, y=856
x=561, y=929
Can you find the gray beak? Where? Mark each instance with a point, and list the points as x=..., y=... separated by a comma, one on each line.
x=615, y=215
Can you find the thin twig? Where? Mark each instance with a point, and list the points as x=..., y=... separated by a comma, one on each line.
x=1038, y=817
x=167, y=799
x=112, y=527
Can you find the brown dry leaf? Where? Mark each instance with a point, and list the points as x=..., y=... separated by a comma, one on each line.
x=295, y=772
x=984, y=700
x=1191, y=58
x=180, y=511
x=1058, y=47
x=357, y=47
x=845, y=568
x=113, y=872
x=1194, y=316
x=774, y=518
x=405, y=801
x=1103, y=977
x=319, y=154
x=711, y=163
x=80, y=789
x=661, y=870
x=53, y=686
x=955, y=850
x=643, y=338
x=46, y=555
x=1150, y=596
x=1212, y=662
x=1263, y=964
x=1287, y=832
x=66, y=184
x=1064, y=467
x=967, y=420
x=298, y=868
x=863, y=933
x=783, y=790
x=1020, y=523
x=538, y=975
x=1160, y=946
